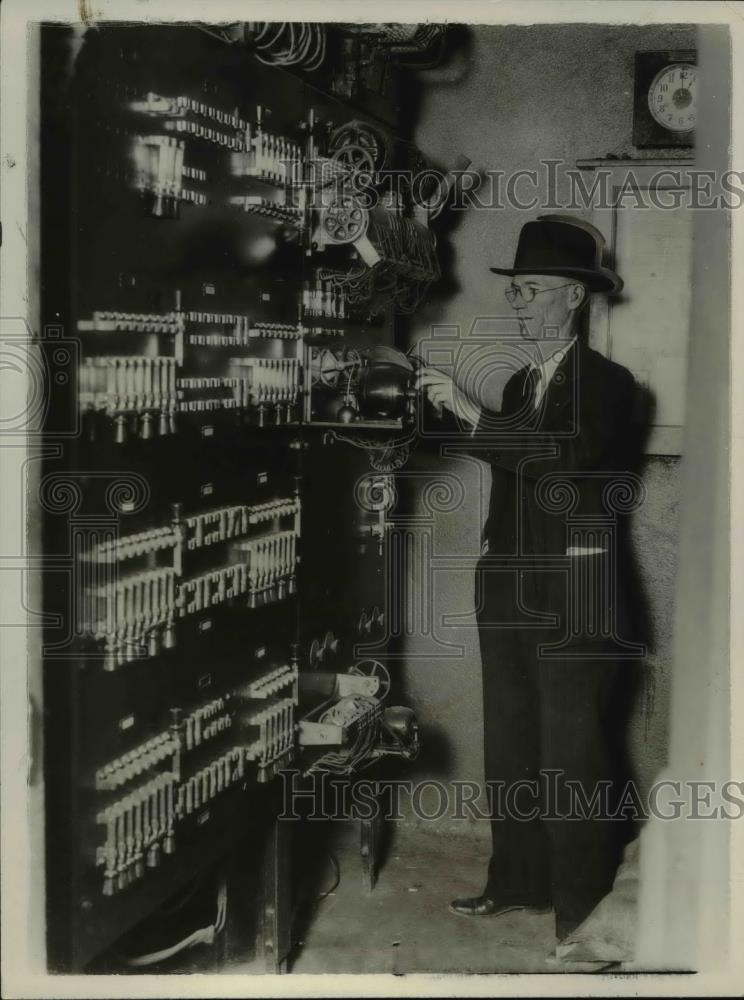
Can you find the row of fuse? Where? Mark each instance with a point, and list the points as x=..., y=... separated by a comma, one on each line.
x=190, y=128
x=128, y=612
x=201, y=725
x=269, y=684
x=132, y=546
x=158, y=163
x=271, y=559
x=272, y=564
x=212, y=779
x=270, y=158
x=195, y=174
x=242, y=330
x=141, y=384
x=106, y=321
x=142, y=824
x=126, y=609
x=135, y=762
x=159, y=169
x=223, y=392
x=155, y=104
x=209, y=589
x=292, y=214
x=230, y=522
x=195, y=197
x=322, y=298
x=138, y=827
x=275, y=381
x=128, y=384
x=206, y=722
x=276, y=728
x=210, y=729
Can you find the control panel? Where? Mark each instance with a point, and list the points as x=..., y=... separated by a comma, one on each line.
x=220, y=245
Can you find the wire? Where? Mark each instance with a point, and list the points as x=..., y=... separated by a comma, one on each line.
x=286, y=58
x=321, y=49
x=348, y=709
x=275, y=39
x=302, y=36
x=337, y=879
x=346, y=761
x=390, y=445
x=204, y=935
x=305, y=41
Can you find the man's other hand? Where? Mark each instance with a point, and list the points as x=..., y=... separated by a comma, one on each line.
x=444, y=394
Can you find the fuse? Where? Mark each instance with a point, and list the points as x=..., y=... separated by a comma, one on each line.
x=108, y=853
x=138, y=863
x=284, y=727
x=169, y=844
x=128, y=858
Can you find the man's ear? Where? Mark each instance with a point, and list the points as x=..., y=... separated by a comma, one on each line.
x=577, y=296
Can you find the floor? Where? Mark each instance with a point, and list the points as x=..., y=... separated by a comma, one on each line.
x=405, y=926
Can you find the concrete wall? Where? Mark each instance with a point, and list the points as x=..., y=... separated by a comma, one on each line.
x=526, y=93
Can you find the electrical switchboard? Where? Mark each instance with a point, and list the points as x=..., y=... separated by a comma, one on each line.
x=222, y=268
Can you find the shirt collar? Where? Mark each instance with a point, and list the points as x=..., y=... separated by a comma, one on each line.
x=548, y=367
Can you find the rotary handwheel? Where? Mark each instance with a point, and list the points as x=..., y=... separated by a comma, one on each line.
x=356, y=158
x=375, y=670
x=344, y=219
x=359, y=145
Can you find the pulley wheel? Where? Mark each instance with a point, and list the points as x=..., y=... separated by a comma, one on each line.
x=344, y=220
x=360, y=135
x=375, y=669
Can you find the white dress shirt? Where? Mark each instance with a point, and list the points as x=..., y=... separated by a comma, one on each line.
x=547, y=369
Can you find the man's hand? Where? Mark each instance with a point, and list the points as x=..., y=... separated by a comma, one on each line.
x=442, y=392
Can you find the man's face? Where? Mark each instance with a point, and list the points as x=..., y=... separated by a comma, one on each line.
x=544, y=305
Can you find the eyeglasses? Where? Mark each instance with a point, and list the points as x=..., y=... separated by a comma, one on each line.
x=527, y=294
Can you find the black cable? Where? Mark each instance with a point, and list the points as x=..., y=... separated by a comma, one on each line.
x=337, y=882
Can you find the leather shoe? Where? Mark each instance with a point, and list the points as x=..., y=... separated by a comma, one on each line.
x=484, y=906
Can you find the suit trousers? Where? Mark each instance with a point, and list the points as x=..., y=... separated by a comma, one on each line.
x=547, y=721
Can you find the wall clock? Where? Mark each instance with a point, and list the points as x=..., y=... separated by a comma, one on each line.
x=665, y=108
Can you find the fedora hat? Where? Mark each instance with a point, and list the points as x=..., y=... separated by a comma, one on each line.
x=566, y=247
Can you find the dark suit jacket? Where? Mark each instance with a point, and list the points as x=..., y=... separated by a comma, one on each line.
x=560, y=461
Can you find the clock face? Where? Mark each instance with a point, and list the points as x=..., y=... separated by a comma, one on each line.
x=672, y=97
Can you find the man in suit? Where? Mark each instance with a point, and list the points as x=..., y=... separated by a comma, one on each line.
x=549, y=597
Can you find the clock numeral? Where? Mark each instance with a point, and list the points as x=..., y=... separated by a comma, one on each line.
x=671, y=97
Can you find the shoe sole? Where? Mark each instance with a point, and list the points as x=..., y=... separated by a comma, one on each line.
x=500, y=913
